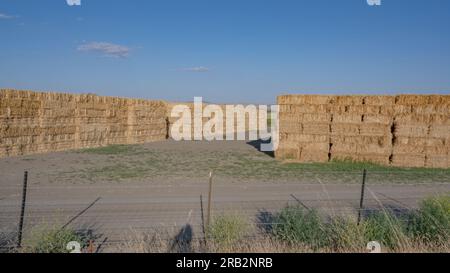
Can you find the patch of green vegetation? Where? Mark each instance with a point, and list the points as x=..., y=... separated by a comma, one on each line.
x=134, y=161
x=385, y=228
x=350, y=165
x=431, y=222
x=297, y=225
x=345, y=233
x=53, y=240
x=111, y=150
x=226, y=230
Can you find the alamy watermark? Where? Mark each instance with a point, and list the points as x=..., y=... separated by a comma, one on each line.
x=226, y=122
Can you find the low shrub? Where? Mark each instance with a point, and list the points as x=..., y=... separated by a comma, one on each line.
x=431, y=222
x=53, y=241
x=386, y=229
x=344, y=234
x=297, y=225
x=226, y=230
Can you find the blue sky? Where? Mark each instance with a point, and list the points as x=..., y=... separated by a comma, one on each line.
x=225, y=50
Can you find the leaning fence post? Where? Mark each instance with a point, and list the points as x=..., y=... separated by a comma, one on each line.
x=361, y=202
x=208, y=217
x=22, y=210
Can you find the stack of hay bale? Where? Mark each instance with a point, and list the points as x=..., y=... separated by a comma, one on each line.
x=20, y=130
x=146, y=121
x=304, y=126
x=422, y=131
x=33, y=122
x=360, y=131
x=406, y=130
x=58, y=121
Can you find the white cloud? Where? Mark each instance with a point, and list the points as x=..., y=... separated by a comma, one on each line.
x=108, y=49
x=196, y=69
x=73, y=2
x=6, y=16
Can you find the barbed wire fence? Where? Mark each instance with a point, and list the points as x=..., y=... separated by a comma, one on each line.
x=112, y=215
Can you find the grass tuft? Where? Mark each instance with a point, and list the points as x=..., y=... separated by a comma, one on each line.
x=431, y=222
x=297, y=225
x=52, y=240
x=227, y=230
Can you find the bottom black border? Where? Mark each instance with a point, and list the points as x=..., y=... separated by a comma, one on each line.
x=278, y=262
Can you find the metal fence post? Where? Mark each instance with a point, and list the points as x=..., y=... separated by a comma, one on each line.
x=361, y=202
x=208, y=217
x=22, y=211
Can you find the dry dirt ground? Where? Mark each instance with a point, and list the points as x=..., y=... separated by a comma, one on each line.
x=163, y=186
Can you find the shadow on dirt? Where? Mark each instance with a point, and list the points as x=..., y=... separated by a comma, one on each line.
x=257, y=145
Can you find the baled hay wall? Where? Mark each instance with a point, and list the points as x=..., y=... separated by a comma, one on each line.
x=35, y=122
x=406, y=130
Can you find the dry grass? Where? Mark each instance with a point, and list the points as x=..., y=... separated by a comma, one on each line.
x=154, y=243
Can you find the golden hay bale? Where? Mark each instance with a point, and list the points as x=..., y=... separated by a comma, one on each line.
x=313, y=146
x=347, y=118
x=403, y=130
x=439, y=119
x=343, y=156
x=286, y=108
x=290, y=127
x=426, y=109
x=305, y=108
x=352, y=109
x=316, y=128
x=415, y=141
x=379, y=100
x=313, y=156
x=287, y=144
x=343, y=148
x=439, y=131
x=289, y=117
x=347, y=100
x=362, y=140
x=377, y=119
x=413, y=119
x=399, y=148
x=375, y=129
x=412, y=99
x=395, y=110
x=437, y=161
x=304, y=99
x=286, y=153
x=439, y=99
x=313, y=152
x=322, y=118
x=371, y=110
x=357, y=109
x=408, y=160
x=302, y=138
x=436, y=150
x=344, y=129
x=375, y=158
x=374, y=149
